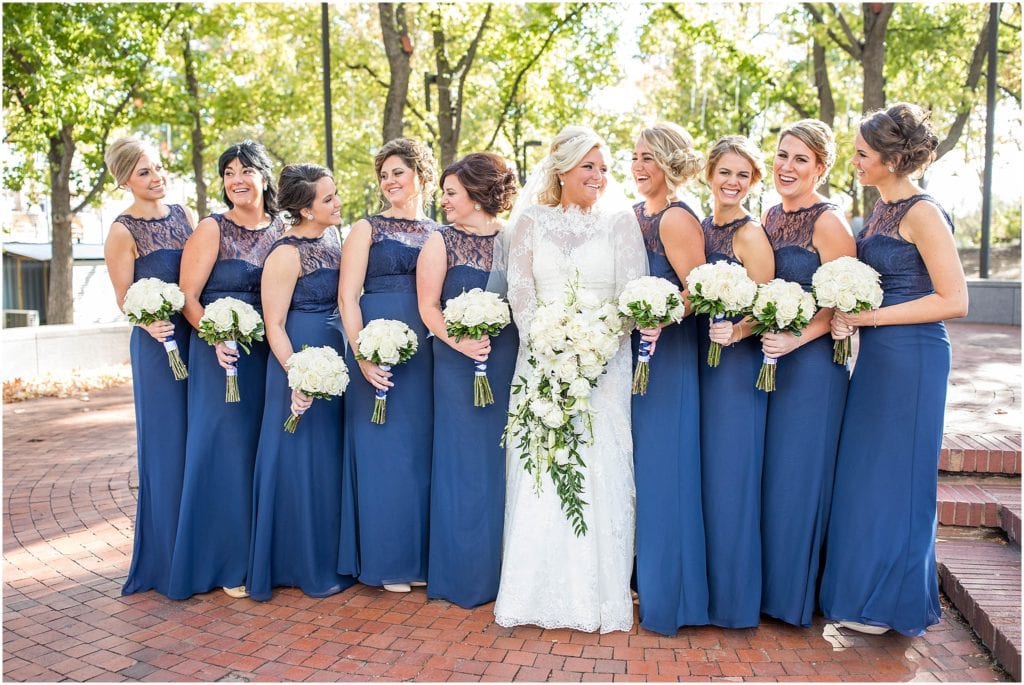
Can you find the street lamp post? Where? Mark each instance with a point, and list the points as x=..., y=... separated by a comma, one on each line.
x=521, y=162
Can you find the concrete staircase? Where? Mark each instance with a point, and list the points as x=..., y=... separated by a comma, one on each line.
x=978, y=548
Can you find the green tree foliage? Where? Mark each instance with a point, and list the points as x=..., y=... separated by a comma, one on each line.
x=70, y=74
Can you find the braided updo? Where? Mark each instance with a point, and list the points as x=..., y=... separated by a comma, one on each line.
x=488, y=180
x=903, y=136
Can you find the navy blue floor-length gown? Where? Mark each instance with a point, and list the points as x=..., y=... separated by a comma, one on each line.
x=671, y=566
x=386, y=479
x=801, y=437
x=161, y=407
x=296, y=518
x=212, y=544
x=880, y=558
x=467, y=490
x=732, y=420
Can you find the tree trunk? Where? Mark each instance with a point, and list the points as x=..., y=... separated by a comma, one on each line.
x=826, y=103
x=60, y=298
x=876, y=24
x=198, y=145
x=398, y=47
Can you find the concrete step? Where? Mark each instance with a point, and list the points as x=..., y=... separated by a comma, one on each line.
x=981, y=577
x=991, y=453
x=989, y=502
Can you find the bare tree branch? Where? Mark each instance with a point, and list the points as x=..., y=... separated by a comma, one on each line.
x=847, y=31
x=853, y=49
x=973, y=78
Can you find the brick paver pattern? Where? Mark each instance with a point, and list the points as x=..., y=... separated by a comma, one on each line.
x=69, y=501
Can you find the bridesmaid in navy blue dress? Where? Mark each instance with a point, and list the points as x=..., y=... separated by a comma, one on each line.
x=805, y=410
x=297, y=485
x=386, y=486
x=732, y=410
x=880, y=561
x=224, y=257
x=671, y=568
x=467, y=490
x=146, y=242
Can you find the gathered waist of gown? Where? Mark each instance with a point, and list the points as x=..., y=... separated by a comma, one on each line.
x=247, y=296
x=391, y=283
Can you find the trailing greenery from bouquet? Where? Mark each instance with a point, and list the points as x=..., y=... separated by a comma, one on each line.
x=570, y=343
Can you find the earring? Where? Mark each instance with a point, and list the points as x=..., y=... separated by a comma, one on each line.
x=476, y=206
x=561, y=182
x=308, y=217
x=891, y=169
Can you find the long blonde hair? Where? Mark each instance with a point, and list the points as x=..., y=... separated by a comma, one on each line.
x=566, y=151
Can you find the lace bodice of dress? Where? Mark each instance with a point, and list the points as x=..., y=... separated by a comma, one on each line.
x=395, y=247
x=150, y=235
x=552, y=246
x=791, y=235
x=718, y=239
x=650, y=229
x=904, y=274
x=239, y=266
x=317, y=287
x=159, y=243
x=468, y=249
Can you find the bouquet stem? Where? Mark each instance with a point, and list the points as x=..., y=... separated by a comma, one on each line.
x=380, y=402
x=482, y=394
x=174, y=359
x=292, y=422
x=642, y=375
x=231, y=392
x=766, y=378
x=715, y=350
x=841, y=351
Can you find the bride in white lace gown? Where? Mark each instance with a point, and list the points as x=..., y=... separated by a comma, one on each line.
x=568, y=225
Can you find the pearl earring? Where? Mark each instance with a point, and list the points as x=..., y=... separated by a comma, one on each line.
x=476, y=206
x=891, y=169
x=561, y=182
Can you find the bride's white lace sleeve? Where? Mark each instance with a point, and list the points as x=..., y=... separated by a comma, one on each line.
x=630, y=253
x=522, y=289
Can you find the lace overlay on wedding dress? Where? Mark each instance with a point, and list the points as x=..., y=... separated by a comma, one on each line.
x=550, y=577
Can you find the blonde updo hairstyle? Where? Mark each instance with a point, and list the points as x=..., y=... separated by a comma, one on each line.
x=738, y=145
x=415, y=155
x=818, y=136
x=567, y=150
x=123, y=154
x=903, y=136
x=673, y=152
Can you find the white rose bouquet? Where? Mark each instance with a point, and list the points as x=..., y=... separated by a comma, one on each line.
x=849, y=285
x=385, y=342
x=234, y=323
x=149, y=300
x=779, y=307
x=475, y=314
x=651, y=302
x=570, y=343
x=318, y=372
x=719, y=290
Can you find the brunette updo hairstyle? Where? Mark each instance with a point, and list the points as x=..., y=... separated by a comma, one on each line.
x=415, y=155
x=818, y=136
x=903, y=136
x=297, y=189
x=673, y=152
x=566, y=151
x=738, y=145
x=254, y=155
x=487, y=179
x=122, y=156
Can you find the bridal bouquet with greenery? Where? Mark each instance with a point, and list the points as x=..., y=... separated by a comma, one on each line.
x=235, y=323
x=149, y=300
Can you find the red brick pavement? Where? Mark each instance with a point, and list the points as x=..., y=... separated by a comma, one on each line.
x=69, y=498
